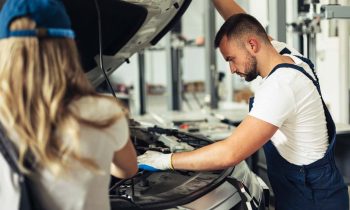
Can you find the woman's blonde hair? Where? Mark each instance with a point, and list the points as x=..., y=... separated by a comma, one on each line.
x=39, y=78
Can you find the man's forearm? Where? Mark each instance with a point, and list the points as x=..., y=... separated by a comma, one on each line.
x=219, y=155
x=247, y=138
x=227, y=8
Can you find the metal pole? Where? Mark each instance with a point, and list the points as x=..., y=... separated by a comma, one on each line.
x=297, y=38
x=142, y=82
x=277, y=17
x=311, y=44
x=311, y=47
x=174, y=75
x=211, y=83
x=177, y=76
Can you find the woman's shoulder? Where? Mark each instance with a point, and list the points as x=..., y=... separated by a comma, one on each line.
x=99, y=106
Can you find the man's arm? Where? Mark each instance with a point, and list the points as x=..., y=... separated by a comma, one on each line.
x=227, y=8
x=247, y=138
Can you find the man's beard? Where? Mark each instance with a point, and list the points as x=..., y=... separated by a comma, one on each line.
x=251, y=69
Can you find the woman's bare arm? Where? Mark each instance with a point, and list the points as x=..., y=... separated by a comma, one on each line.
x=124, y=162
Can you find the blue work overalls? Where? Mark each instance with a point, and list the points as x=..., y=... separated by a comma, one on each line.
x=318, y=185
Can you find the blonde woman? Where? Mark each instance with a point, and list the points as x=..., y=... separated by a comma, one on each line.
x=51, y=112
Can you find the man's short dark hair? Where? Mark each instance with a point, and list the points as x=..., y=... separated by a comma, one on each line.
x=238, y=25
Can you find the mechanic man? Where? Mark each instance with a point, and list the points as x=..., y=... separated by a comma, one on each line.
x=288, y=118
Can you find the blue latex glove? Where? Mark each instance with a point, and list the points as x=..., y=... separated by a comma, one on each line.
x=154, y=161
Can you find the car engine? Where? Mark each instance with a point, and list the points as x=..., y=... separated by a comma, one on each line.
x=188, y=189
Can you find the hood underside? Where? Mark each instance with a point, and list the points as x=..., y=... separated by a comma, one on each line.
x=127, y=27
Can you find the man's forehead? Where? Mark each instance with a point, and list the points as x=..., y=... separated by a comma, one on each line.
x=223, y=42
x=225, y=39
x=227, y=43
x=229, y=40
x=225, y=48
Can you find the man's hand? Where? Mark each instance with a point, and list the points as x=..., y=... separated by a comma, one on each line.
x=154, y=161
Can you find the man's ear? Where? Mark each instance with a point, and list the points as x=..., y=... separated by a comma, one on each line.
x=253, y=45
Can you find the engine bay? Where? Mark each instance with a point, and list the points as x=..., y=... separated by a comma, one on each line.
x=164, y=189
x=174, y=188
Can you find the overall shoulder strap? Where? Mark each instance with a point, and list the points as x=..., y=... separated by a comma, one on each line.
x=305, y=60
x=310, y=64
x=300, y=69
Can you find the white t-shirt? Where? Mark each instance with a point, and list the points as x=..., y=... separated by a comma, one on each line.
x=82, y=189
x=289, y=100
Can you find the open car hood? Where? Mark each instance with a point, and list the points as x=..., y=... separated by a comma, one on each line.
x=127, y=27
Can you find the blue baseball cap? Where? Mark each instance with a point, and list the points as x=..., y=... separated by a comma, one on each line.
x=50, y=16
